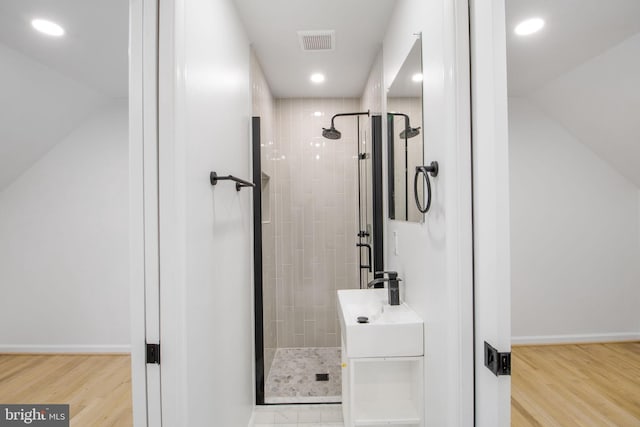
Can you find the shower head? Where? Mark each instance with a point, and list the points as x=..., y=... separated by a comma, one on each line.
x=331, y=133
x=410, y=132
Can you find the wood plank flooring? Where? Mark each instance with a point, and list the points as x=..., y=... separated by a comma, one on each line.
x=561, y=385
x=576, y=385
x=97, y=387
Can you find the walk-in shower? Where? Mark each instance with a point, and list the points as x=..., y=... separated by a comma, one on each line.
x=322, y=231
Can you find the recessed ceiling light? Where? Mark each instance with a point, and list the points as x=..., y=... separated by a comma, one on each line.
x=317, y=78
x=529, y=26
x=47, y=27
x=318, y=114
x=417, y=77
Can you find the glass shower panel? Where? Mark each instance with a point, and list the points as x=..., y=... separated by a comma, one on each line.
x=365, y=201
x=316, y=228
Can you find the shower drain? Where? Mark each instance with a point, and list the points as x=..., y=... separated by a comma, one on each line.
x=322, y=377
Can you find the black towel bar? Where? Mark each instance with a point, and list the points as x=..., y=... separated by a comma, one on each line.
x=214, y=178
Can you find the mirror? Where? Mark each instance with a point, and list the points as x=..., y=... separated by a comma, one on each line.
x=404, y=136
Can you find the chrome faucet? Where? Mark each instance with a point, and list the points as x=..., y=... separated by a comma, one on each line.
x=393, y=285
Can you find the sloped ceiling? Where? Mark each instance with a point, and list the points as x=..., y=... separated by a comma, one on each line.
x=38, y=108
x=94, y=50
x=599, y=103
x=49, y=86
x=583, y=69
x=575, y=31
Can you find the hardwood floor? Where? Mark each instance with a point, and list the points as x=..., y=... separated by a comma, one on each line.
x=561, y=385
x=97, y=387
x=576, y=385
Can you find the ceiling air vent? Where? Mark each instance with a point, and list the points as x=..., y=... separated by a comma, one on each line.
x=317, y=40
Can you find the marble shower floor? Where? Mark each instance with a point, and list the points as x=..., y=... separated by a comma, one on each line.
x=292, y=378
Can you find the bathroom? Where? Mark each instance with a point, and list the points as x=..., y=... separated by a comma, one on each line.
x=221, y=263
x=194, y=83
x=455, y=266
x=309, y=187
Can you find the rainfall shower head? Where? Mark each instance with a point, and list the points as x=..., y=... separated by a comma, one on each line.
x=332, y=132
x=410, y=132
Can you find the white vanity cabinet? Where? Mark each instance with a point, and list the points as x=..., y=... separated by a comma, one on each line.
x=387, y=391
x=380, y=387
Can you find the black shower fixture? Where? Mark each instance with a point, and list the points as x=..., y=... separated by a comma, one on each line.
x=332, y=132
x=408, y=131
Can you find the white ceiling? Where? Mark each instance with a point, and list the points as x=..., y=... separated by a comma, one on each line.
x=599, y=103
x=94, y=49
x=575, y=31
x=359, y=27
x=49, y=86
x=38, y=108
x=583, y=69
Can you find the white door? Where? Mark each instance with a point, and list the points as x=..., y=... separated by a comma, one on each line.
x=491, y=208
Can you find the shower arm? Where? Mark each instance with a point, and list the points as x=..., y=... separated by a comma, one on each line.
x=407, y=124
x=362, y=113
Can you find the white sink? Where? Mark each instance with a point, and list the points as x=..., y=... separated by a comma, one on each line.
x=392, y=331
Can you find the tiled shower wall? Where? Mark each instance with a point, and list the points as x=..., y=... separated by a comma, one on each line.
x=315, y=218
x=264, y=107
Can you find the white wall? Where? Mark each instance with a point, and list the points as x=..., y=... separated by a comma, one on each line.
x=205, y=240
x=39, y=107
x=64, y=245
x=575, y=236
x=598, y=103
x=434, y=258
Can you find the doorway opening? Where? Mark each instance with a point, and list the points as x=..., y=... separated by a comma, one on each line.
x=574, y=227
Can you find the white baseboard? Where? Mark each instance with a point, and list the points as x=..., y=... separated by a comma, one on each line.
x=576, y=339
x=72, y=348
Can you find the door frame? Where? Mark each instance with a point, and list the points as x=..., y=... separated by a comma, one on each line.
x=159, y=154
x=490, y=202
x=144, y=249
x=490, y=156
